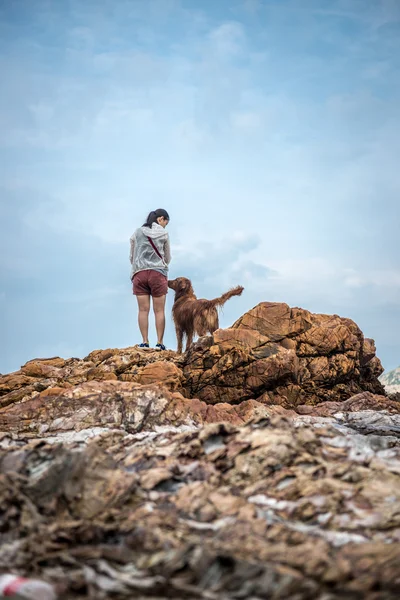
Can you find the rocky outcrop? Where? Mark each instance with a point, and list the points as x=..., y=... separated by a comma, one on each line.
x=274, y=355
x=275, y=508
x=52, y=376
x=265, y=463
x=97, y=405
x=281, y=355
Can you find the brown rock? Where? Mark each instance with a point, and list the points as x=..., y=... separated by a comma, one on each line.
x=264, y=510
x=14, y=381
x=55, y=361
x=368, y=351
x=163, y=372
x=116, y=404
x=248, y=338
x=275, y=321
x=126, y=364
x=282, y=355
x=279, y=481
x=54, y=391
x=16, y=395
x=101, y=373
x=41, y=368
x=359, y=402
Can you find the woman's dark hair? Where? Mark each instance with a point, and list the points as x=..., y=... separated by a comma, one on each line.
x=154, y=215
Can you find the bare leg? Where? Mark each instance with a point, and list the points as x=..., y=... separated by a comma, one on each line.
x=159, y=313
x=143, y=317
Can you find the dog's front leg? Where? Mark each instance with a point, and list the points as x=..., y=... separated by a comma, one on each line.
x=179, y=337
x=189, y=339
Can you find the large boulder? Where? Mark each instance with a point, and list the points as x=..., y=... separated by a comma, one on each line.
x=282, y=355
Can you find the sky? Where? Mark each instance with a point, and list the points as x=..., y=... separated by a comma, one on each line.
x=268, y=129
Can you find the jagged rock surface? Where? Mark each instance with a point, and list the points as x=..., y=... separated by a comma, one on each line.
x=281, y=355
x=274, y=354
x=263, y=464
x=272, y=509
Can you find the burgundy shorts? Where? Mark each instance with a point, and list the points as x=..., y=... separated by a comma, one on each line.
x=150, y=283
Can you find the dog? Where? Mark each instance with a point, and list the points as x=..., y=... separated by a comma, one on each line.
x=192, y=316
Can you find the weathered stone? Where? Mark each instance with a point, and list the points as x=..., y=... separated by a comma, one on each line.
x=55, y=361
x=283, y=355
x=14, y=381
x=38, y=368
x=20, y=393
x=275, y=508
x=273, y=354
x=163, y=372
x=362, y=401
x=119, y=405
x=101, y=373
x=280, y=480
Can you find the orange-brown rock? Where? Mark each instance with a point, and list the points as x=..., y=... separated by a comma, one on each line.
x=101, y=374
x=127, y=364
x=163, y=372
x=274, y=354
x=55, y=361
x=117, y=405
x=359, y=402
x=20, y=393
x=282, y=355
x=38, y=368
x=14, y=381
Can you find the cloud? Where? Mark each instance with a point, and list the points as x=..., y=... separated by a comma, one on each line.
x=268, y=130
x=252, y=6
x=246, y=121
x=227, y=40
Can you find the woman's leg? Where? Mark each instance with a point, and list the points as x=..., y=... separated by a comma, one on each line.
x=143, y=318
x=159, y=313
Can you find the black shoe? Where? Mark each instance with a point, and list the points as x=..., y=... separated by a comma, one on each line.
x=160, y=347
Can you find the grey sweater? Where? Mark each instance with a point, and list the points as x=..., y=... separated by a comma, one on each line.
x=143, y=256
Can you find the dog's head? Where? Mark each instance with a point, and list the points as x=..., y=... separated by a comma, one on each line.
x=180, y=285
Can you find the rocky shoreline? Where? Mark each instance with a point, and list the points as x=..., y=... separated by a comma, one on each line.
x=264, y=463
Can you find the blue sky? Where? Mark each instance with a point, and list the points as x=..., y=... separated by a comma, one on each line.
x=269, y=129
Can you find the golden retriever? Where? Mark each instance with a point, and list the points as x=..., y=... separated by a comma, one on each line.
x=192, y=316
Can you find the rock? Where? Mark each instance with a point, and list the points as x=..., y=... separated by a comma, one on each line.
x=42, y=368
x=281, y=355
x=274, y=354
x=117, y=405
x=55, y=361
x=267, y=509
x=163, y=372
x=127, y=364
x=265, y=463
x=21, y=393
x=359, y=402
x=14, y=381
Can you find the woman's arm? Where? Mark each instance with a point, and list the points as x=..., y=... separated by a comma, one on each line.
x=132, y=252
x=167, y=251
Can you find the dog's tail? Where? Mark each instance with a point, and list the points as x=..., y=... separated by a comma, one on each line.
x=236, y=291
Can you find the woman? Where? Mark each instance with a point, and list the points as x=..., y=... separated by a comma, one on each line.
x=150, y=256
